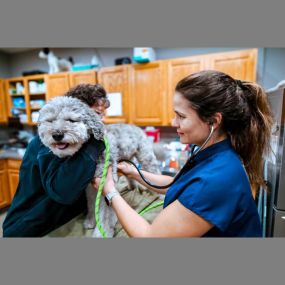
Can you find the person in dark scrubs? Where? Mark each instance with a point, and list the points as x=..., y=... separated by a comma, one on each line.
x=213, y=196
x=47, y=197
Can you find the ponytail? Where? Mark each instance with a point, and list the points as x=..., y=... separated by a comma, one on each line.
x=253, y=141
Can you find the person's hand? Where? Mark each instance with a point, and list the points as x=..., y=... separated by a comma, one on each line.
x=126, y=169
x=109, y=182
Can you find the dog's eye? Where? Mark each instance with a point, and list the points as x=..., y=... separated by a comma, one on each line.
x=71, y=121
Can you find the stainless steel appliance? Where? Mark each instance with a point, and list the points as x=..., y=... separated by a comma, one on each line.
x=274, y=207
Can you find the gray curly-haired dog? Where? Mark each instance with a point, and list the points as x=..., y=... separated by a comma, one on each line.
x=66, y=123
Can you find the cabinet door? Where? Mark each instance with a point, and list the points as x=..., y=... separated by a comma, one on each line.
x=13, y=177
x=76, y=78
x=57, y=84
x=115, y=80
x=177, y=70
x=3, y=107
x=5, y=199
x=238, y=64
x=148, y=94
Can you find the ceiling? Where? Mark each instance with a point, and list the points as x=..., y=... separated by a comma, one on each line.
x=15, y=50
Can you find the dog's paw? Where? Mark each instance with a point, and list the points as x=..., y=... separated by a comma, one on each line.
x=89, y=224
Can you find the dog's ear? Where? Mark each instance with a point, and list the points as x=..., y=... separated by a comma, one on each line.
x=94, y=122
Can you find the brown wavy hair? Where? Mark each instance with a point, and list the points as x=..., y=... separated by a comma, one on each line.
x=246, y=114
x=89, y=93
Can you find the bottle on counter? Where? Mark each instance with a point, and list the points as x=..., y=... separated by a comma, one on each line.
x=173, y=161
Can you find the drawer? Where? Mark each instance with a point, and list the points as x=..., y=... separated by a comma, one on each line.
x=14, y=164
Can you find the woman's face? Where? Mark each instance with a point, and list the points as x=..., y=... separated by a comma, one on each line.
x=190, y=128
x=100, y=106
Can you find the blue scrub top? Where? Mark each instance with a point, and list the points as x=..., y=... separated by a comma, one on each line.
x=215, y=186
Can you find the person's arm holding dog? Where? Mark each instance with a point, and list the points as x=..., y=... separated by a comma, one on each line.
x=53, y=170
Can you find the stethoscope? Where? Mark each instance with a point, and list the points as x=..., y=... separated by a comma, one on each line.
x=192, y=156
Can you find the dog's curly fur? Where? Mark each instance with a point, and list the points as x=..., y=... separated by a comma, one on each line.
x=65, y=123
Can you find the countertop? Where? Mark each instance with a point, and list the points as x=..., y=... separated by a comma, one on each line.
x=12, y=153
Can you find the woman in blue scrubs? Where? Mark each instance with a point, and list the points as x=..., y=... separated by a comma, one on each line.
x=230, y=121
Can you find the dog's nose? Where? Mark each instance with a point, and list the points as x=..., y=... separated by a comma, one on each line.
x=58, y=136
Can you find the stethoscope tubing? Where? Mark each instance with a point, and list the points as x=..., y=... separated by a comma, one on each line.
x=179, y=173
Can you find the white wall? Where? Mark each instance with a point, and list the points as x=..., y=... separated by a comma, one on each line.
x=29, y=60
x=4, y=65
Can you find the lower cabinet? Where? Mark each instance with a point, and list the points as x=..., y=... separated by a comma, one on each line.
x=3, y=106
x=9, y=179
x=4, y=186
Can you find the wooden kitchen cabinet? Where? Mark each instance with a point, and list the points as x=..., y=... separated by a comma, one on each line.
x=32, y=91
x=116, y=80
x=3, y=105
x=88, y=76
x=13, y=170
x=178, y=69
x=57, y=84
x=148, y=94
x=5, y=198
x=238, y=64
x=60, y=83
x=15, y=91
x=35, y=96
x=9, y=179
x=147, y=89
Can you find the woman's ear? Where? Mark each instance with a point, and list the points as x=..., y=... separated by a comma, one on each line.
x=216, y=120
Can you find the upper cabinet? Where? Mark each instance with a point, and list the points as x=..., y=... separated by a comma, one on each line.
x=140, y=94
x=3, y=105
x=178, y=69
x=57, y=84
x=35, y=96
x=148, y=94
x=60, y=83
x=16, y=98
x=116, y=82
x=80, y=77
x=25, y=96
x=238, y=64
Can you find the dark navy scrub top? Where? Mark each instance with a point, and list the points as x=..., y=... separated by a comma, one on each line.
x=215, y=186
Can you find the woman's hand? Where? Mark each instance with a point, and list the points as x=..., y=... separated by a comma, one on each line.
x=126, y=169
x=109, y=182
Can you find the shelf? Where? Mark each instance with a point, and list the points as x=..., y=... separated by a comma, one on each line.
x=19, y=108
x=37, y=94
x=16, y=95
